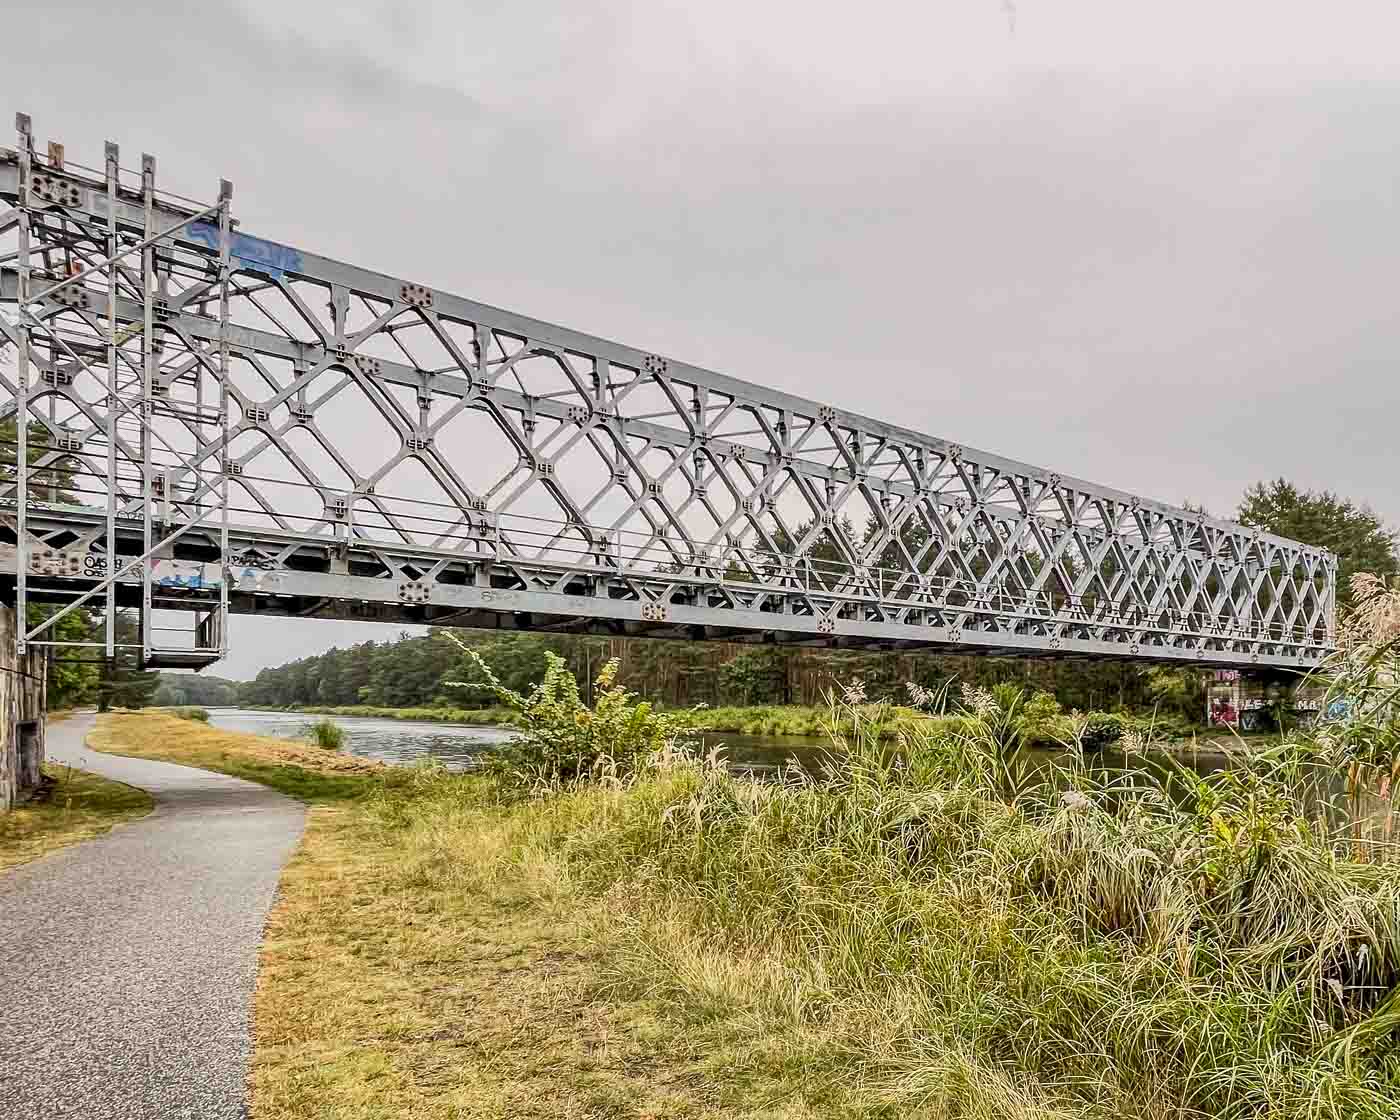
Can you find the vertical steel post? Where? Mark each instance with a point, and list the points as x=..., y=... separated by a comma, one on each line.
x=225, y=240
x=148, y=285
x=26, y=158
x=1329, y=563
x=113, y=171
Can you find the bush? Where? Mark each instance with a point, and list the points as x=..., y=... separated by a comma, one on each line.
x=562, y=739
x=190, y=712
x=1102, y=729
x=1042, y=720
x=327, y=734
x=1097, y=731
x=1165, y=725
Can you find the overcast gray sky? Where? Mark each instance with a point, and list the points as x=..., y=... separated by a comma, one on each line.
x=1151, y=245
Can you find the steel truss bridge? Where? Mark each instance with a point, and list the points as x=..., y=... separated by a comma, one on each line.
x=213, y=422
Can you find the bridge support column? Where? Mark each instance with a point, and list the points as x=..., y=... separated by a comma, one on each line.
x=23, y=697
x=1258, y=699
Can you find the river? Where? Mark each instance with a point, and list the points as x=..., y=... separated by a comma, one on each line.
x=459, y=745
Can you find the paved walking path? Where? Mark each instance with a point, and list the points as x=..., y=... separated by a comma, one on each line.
x=127, y=962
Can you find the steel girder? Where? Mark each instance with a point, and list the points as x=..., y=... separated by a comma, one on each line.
x=392, y=444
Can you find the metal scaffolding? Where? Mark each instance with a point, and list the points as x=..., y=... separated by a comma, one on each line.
x=121, y=412
x=242, y=425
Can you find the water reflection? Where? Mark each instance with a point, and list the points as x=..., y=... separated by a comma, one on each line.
x=459, y=746
x=388, y=740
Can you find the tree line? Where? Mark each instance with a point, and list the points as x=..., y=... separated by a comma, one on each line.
x=428, y=671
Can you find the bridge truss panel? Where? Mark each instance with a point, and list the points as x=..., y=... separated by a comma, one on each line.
x=384, y=447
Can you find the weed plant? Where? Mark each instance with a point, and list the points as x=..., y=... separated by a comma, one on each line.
x=326, y=734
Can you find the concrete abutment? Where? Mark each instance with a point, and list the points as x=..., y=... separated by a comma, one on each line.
x=23, y=704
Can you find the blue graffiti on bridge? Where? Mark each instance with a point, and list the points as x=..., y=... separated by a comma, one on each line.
x=253, y=253
x=187, y=575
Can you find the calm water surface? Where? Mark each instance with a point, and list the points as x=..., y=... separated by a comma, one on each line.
x=459, y=745
x=389, y=740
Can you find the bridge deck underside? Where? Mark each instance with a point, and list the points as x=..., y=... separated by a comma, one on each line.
x=375, y=447
x=274, y=574
x=309, y=596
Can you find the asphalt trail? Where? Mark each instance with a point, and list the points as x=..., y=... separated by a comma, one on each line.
x=127, y=962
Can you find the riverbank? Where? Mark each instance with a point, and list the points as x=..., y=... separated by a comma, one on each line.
x=757, y=721
x=309, y=773
x=691, y=944
x=796, y=721
x=474, y=717
x=71, y=806
x=767, y=719
x=764, y=719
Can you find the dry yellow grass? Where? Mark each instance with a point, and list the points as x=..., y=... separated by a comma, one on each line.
x=299, y=769
x=427, y=957
x=438, y=971
x=386, y=994
x=387, y=990
x=76, y=807
x=172, y=739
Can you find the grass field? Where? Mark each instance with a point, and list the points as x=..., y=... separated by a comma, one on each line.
x=387, y=991
x=299, y=769
x=393, y=988
x=77, y=806
x=470, y=716
x=908, y=939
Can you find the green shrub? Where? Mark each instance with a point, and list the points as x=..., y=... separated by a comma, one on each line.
x=562, y=739
x=327, y=734
x=1164, y=726
x=190, y=712
x=1042, y=721
x=1102, y=729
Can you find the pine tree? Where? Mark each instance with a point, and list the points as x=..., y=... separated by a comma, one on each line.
x=1362, y=542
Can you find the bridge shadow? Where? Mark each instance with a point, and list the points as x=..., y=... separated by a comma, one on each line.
x=200, y=795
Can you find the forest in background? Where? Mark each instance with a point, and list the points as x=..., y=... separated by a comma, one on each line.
x=418, y=672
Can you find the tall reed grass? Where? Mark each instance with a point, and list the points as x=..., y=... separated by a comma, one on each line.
x=928, y=930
